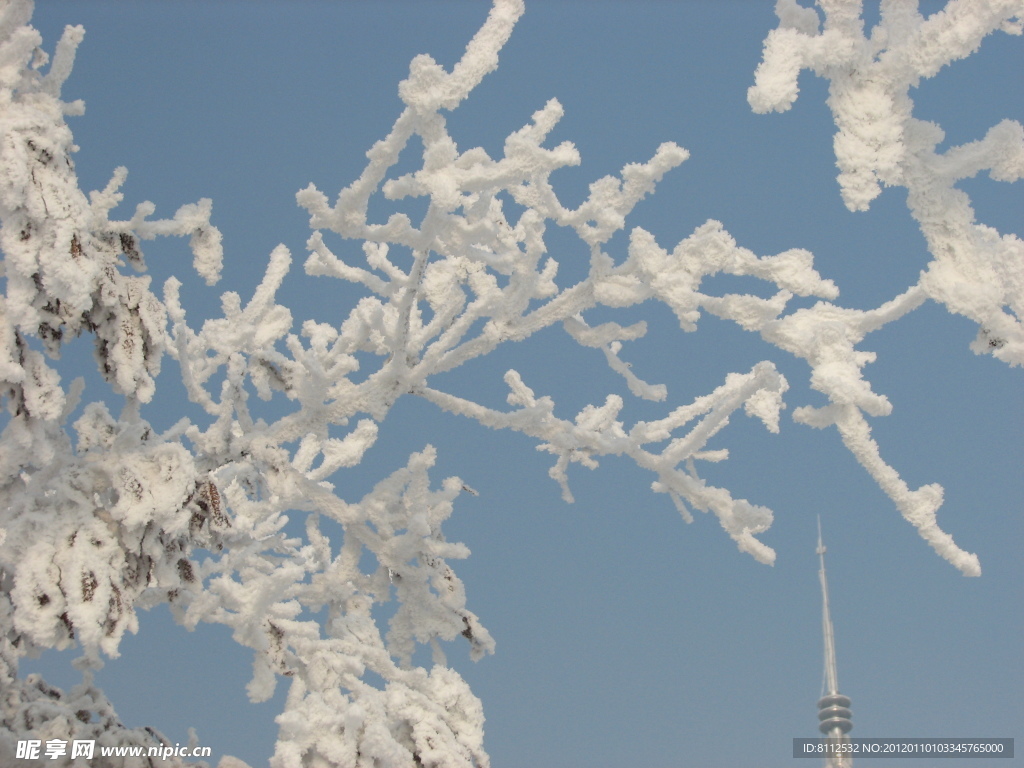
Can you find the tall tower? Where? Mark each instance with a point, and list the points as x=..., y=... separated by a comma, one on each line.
x=833, y=708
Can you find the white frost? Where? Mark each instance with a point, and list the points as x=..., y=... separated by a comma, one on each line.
x=106, y=515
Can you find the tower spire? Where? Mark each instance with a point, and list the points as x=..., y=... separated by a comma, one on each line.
x=833, y=708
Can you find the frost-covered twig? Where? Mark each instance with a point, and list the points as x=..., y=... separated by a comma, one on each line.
x=110, y=515
x=975, y=271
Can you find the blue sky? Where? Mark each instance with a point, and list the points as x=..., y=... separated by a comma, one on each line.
x=624, y=636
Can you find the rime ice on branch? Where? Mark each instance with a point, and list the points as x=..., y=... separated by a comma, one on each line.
x=208, y=516
x=476, y=280
x=93, y=527
x=976, y=271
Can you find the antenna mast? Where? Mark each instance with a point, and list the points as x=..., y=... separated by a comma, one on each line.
x=833, y=708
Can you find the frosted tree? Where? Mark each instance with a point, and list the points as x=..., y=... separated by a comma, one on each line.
x=221, y=516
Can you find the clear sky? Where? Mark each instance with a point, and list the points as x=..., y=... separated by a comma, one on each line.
x=625, y=637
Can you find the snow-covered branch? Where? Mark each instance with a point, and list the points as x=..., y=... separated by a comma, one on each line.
x=975, y=271
x=234, y=518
